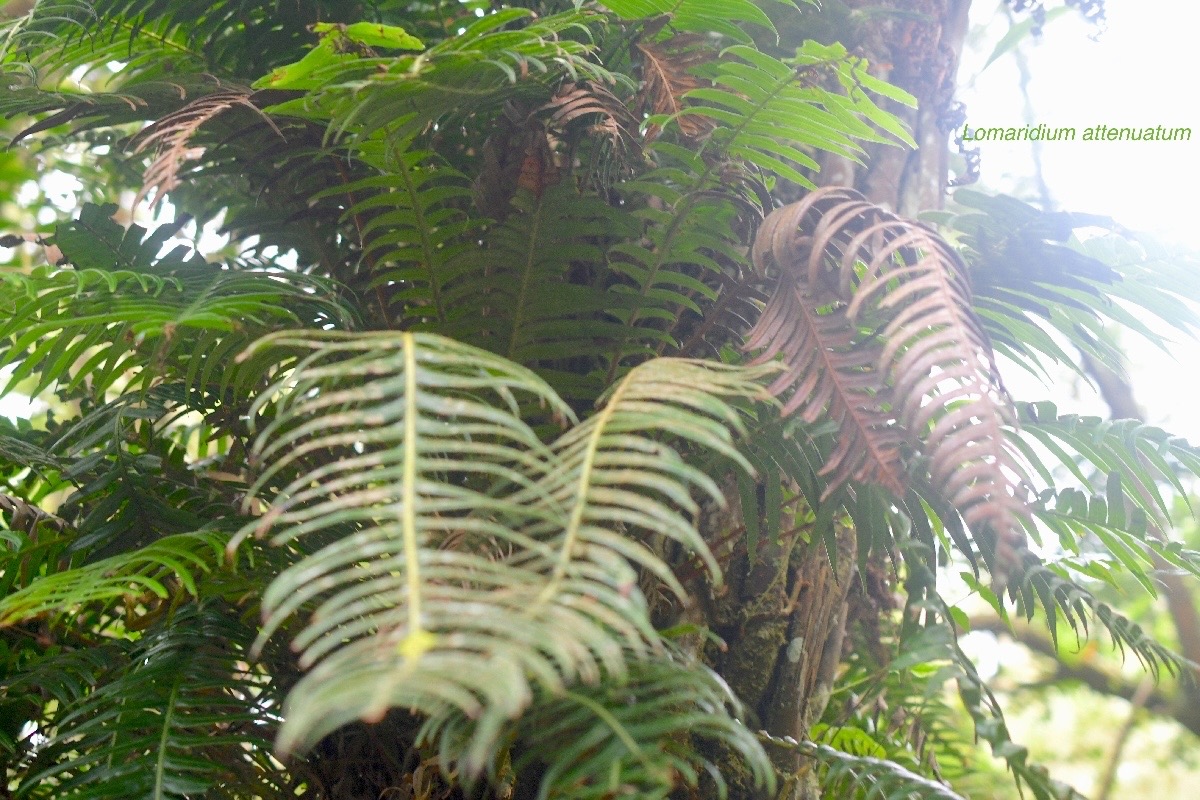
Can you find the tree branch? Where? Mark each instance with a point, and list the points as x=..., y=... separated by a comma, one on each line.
x=1099, y=680
x=1118, y=395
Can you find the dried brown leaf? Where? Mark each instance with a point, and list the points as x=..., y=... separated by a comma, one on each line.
x=172, y=134
x=829, y=372
x=873, y=317
x=667, y=77
x=606, y=114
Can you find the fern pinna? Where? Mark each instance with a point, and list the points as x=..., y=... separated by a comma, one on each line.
x=545, y=424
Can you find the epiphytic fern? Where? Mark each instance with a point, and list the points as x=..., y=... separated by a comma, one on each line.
x=174, y=714
x=1042, y=290
x=123, y=309
x=465, y=563
x=873, y=317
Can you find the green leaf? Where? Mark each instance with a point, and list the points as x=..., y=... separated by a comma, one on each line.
x=1018, y=31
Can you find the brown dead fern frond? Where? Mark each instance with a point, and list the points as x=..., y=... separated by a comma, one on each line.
x=172, y=136
x=831, y=371
x=667, y=77
x=27, y=517
x=874, y=319
x=602, y=112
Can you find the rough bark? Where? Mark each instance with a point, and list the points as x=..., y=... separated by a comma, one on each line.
x=783, y=618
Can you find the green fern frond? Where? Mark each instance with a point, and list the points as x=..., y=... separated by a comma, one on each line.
x=1062, y=600
x=701, y=16
x=471, y=562
x=474, y=72
x=124, y=311
x=166, y=38
x=1039, y=288
x=644, y=736
x=408, y=413
x=1080, y=522
x=143, y=573
x=180, y=715
x=536, y=291
x=414, y=229
x=1092, y=449
x=877, y=777
x=932, y=637
x=770, y=115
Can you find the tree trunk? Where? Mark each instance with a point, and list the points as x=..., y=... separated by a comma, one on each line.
x=783, y=618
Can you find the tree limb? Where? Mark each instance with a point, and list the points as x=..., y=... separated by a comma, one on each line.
x=1094, y=677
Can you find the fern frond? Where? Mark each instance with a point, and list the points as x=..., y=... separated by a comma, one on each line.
x=1079, y=521
x=163, y=40
x=139, y=574
x=92, y=323
x=935, y=639
x=414, y=229
x=1063, y=600
x=699, y=16
x=689, y=239
x=1092, y=450
x=831, y=373
x=647, y=735
x=537, y=293
x=171, y=138
x=1037, y=286
x=878, y=777
x=474, y=72
x=668, y=71
x=470, y=561
x=923, y=364
x=768, y=113
x=181, y=715
x=25, y=517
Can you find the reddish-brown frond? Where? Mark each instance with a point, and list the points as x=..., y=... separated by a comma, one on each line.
x=602, y=112
x=666, y=78
x=172, y=135
x=831, y=371
x=900, y=349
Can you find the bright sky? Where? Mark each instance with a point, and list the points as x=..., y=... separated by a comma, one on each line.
x=1140, y=72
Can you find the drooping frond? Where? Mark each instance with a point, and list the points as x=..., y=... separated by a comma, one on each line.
x=668, y=74
x=1094, y=449
x=125, y=311
x=25, y=518
x=932, y=638
x=873, y=318
x=465, y=562
x=878, y=777
x=141, y=576
x=647, y=735
x=586, y=110
x=170, y=137
x=178, y=716
x=1063, y=600
x=1040, y=287
x=832, y=372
